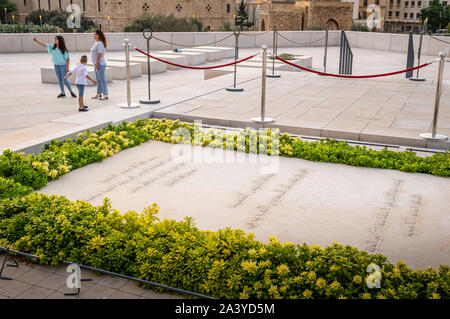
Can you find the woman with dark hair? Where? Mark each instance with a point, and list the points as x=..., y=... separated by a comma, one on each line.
x=61, y=62
x=98, y=59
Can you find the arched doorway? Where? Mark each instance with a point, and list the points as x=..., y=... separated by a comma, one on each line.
x=263, y=25
x=303, y=22
x=332, y=24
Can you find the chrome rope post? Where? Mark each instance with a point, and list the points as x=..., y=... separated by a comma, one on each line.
x=128, y=105
x=263, y=119
x=236, y=33
x=148, y=34
x=274, y=52
x=433, y=136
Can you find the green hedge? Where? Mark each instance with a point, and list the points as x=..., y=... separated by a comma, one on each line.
x=225, y=264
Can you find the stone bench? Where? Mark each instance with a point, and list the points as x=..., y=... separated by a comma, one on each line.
x=193, y=58
x=48, y=75
x=213, y=73
x=119, y=71
x=212, y=55
x=155, y=66
x=226, y=51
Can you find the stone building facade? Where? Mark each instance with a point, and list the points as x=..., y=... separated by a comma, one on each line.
x=114, y=15
x=300, y=15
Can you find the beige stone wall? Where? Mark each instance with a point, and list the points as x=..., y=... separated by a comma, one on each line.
x=212, y=13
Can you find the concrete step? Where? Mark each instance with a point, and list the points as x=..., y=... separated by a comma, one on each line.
x=48, y=75
x=119, y=71
x=155, y=65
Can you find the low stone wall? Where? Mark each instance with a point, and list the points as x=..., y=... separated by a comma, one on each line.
x=82, y=42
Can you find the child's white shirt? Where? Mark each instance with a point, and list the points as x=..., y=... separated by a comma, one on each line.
x=80, y=71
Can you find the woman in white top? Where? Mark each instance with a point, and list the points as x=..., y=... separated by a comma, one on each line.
x=98, y=58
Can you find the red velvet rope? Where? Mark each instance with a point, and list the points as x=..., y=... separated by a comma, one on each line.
x=354, y=76
x=196, y=68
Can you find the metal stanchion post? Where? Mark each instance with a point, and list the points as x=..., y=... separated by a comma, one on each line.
x=128, y=105
x=148, y=34
x=263, y=119
x=274, y=53
x=236, y=32
x=433, y=136
x=326, y=50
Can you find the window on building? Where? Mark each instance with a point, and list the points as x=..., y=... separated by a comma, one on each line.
x=397, y=13
x=390, y=13
x=208, y=7
x=228, y=8
x=398, y=2
x=418, y=15
x=406, y=3
x=145, y=7
x=419, y=3
x=60, y=5
x=39, y=4
x=413, y=3
x=99, y=6
x=365, y=3
x=377, y=2
x=405, y=15
x=25, y=3
x=444, y=3
x=84, y=5
x=411, y=15
x=179, y=7
x=391, y=1
x=49, y=5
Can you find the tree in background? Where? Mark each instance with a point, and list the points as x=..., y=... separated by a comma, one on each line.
x=438, y=16
x=10, y=7
x=161, y=23
x=242, y=15
x=59, y=19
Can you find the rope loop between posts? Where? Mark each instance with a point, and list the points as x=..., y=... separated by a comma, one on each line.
x=198, y=67
x=189, y=45
x=300, y=43
x=354, y=76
